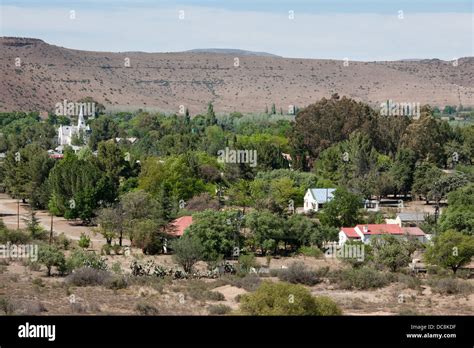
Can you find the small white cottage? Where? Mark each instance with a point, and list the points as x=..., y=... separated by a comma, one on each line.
x=314, y=199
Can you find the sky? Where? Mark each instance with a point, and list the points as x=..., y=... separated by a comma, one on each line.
x=365, y=30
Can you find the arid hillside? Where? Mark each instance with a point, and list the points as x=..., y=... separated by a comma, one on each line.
x=36, y=75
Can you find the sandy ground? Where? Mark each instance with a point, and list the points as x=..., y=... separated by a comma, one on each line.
x=72, y=229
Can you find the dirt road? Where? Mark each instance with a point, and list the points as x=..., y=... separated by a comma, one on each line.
x=72, y=229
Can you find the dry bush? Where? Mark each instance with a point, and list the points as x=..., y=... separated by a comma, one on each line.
x=144, y=308
x=450, y=286
x=360, y=278
x=299, y=273
x=409, y=281
x=198, y=290
x=7, y=306
x=86, y=276
x=220, y=309
x=249, y=282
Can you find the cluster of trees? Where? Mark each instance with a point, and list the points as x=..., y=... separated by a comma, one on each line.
x=134, y=189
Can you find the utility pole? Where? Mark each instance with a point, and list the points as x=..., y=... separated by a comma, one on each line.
x=18, y=214
x=51, y=230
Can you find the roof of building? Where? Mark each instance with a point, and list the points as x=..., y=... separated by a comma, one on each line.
x=322, y=195
x=377, y=229
x=350, y=232
x=408, y=216
x=380, y=229
x=413, y=231
x=177, y=226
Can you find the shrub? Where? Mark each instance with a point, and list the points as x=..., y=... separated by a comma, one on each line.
x=155, y=283
x=117, y=249
x=62, y=241
x=106, y=249
x=220, y=309
x=246, y=262
x=250, y=282
x=50, y=256
x=13, y=236
x=285, y=299
x=80, y=258
x=116, y=282
x=436, y=270
x=146, y=309
x=84, y=241
x=360, y=278
x=7, y=306
x=214, y=296
x=38, y=282
x=198, y=290
x=33, y=308
x=450, y=286
x=117, y=268
x=86, y=276
x=298, y=273
x=409, y=281
x=326, y=306
x=310, y=251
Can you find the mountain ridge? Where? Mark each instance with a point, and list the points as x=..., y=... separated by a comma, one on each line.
x=48, y=74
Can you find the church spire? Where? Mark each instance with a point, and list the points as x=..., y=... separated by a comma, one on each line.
x=81, y=123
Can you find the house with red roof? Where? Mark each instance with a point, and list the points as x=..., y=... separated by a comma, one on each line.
x=176, y=227
x=365, y=232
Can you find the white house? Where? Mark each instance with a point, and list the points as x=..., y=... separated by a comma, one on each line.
x=314, y=199
x=364, y=233
x=66, y=133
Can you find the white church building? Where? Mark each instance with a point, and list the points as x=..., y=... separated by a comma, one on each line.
x=66, y=133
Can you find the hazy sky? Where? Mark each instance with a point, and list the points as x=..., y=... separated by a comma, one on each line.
x=359, y=30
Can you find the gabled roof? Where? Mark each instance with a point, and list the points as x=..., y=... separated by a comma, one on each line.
x=380, y=229
x=413, y=231
x=322, y=195
x=176, y=227
x=350, y=232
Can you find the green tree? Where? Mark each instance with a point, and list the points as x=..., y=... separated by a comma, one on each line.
x=218, y=232
x=26, y=173
x=77, y=186
x=390, y=251
x=187, y=251
x=299, y=230
x=327, y=122
x=51, y=256
x=450, y=249
x=273, y=109
x=459, y=215
x=446, y=184
x=109, y=223
x=342, y=210
x=33, y=226
x=424, y=179
x=103, y=128
x=402, y=170
x=211, y=116
x=266, y=229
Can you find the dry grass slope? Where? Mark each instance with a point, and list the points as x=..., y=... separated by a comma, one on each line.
x=48, y=74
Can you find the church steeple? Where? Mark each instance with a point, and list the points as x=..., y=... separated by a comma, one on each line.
x=81, y=123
